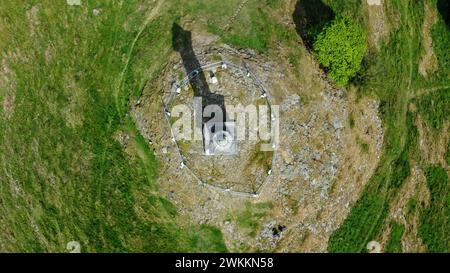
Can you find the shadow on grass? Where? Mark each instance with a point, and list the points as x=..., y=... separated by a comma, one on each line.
x=310, y=16
x=444, y=9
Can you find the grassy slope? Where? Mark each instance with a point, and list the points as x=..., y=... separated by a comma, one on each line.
x=394, y=244
x=435, y=220
x=394, y=84
x=63, y=175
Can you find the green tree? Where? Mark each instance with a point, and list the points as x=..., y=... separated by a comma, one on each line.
x=340, y=49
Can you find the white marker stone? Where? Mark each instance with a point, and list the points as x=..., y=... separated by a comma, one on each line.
x=374, y=247
x=73, y=247
x=74, y=2
x=374, y=2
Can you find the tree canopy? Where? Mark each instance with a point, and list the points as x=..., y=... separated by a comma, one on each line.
x=340, y=48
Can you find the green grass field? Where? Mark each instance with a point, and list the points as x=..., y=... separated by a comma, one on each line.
x=64, y=176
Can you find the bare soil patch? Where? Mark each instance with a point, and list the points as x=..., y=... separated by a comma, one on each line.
x=319, y=169
x=378, y=26
x=428, y=63
x=7, y=86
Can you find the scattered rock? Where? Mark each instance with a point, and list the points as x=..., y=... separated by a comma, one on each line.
x=310, y=161
x=287, y=157
x=290, y=102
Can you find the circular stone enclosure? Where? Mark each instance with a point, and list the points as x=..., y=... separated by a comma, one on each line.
x=219, y=158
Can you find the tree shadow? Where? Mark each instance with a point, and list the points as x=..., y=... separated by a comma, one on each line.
x=310, y=16
x=443, y=7
x=182, y=43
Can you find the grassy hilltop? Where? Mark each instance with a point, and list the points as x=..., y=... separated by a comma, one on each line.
x=68, y=78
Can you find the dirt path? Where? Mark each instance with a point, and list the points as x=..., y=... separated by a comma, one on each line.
x=152, y=14
x=424, y=91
